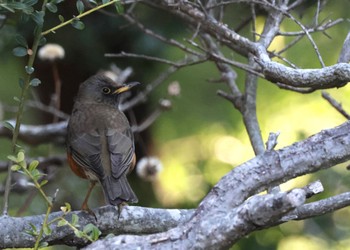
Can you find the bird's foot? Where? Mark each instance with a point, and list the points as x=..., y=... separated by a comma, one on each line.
x=86, y=209
x=120, y=208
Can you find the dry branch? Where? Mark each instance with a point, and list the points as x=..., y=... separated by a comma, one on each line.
x=133, y=220
x=320, y=151
x=224, y=216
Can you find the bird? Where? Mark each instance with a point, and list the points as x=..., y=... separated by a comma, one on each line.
x=100, y=142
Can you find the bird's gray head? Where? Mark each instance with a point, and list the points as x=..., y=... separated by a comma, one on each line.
x=102, y=89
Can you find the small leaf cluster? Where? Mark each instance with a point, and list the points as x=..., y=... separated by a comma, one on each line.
x=89, y=232
x=78, y=24
x=23, y=50
x=25, y=7
x=52, y=5
x=20, y=165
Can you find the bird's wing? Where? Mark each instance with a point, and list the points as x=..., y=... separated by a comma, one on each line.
x=122, y=150
x=107, y=152
x=85, y=150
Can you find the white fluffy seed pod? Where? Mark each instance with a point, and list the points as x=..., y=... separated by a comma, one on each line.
x=174, y=89
x=148, y=168
x=51, y=52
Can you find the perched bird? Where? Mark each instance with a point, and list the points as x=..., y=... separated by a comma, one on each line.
x=100, y=143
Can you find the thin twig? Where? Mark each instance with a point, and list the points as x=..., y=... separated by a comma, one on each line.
x=150, y=32
x=273, y=54
x=308, y=36
x=219, y=57
x=295, y=4
x=21, y=105
x=295, y=89
x=291, y=44
x=192, y=61
x=52, y=30
x=335, y=104
x=319, y=28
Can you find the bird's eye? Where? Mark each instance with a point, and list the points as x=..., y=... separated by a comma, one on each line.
x=106, y=90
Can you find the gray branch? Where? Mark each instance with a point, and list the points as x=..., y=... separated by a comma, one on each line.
x=132, y=220
x=212, y=226
x=37, y=134
x=183, y=229
x=328, y=77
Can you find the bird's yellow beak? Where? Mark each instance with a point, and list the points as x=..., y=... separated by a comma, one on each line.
x=125, y=87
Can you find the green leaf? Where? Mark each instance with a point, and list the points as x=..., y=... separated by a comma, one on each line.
x=88, y=228
x=32, y=231
x=30, y=2
x=35, y=82
x=20, y=51
x=8, y=125
x=36, y=174
x=15, y=168
x=43, y=183
x=16, y=5
x=12, y=158
x=109, y=236
x=43, y=244
x=119, y=7
x=93, y=2
x=57, y=1
x=61, y=18
x=80, y=6
x=47, y=229
x=20, y=156
x=62, y=223
x=67, y=208
x=79, y=25
x=29, y=10
x=38, y=17
x=7, y=7
x=92, y=231
x=33, y=165
x=78, y=233
x=75, y=220
x=51, y=7
x=29, y=69
x=105, y=1
x=21, y=41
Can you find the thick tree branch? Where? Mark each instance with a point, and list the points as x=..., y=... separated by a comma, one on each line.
x=328, y=77
x=37, y=134
x=320, y=151
x=133, y=220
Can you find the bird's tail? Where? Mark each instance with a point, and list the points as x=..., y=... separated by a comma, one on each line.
x=118, y=190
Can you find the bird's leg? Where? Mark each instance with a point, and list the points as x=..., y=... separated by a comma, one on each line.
x=120, y=208
x=85, y=206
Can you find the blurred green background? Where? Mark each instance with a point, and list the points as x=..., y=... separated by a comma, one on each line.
x=202, y=138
